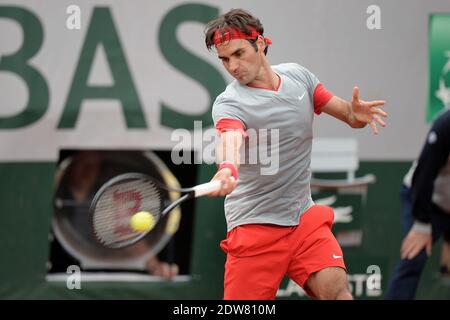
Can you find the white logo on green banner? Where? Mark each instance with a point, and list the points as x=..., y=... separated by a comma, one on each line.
x=439, y=76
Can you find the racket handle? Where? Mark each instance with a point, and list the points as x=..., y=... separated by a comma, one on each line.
x=205, y=188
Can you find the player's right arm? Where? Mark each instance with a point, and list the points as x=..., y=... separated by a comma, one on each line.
x=227, y=156
x=229, y=121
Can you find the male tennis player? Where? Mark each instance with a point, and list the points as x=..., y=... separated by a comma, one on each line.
x=274, y=228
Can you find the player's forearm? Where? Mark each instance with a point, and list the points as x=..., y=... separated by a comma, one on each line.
x=228, y=148
x=342, y=110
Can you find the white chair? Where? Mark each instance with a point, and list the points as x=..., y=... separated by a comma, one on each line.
x=337, y=155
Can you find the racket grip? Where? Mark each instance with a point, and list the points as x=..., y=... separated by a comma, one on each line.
x=205, y=188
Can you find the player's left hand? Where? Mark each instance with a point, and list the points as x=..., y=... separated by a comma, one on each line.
x=368, y=111
x=414, y=243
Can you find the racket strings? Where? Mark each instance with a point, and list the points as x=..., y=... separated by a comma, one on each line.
x=118, y=204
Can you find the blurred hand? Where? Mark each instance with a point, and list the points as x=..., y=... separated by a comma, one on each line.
x=368, y=111
x=162, y=269
x=414, y=243
x=228, y=182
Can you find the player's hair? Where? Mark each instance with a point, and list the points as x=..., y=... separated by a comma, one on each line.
x=236, y=19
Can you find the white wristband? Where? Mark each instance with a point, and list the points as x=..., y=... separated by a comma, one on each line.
x=421, y=227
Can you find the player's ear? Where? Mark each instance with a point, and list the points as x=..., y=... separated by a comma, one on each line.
x=260, y=42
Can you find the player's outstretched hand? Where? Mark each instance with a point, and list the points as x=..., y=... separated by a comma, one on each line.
x=228, y=182
x=368, y=111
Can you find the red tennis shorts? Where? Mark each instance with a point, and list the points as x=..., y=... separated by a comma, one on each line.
x=260, y=255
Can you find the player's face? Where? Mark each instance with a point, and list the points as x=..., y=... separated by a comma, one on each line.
x=240, y=59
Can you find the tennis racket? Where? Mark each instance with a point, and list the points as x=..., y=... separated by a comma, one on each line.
x=124, y=195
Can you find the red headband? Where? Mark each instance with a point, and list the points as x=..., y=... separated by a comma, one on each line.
x=228, y=34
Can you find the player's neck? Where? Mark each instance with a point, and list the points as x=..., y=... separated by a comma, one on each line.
x=266, y=78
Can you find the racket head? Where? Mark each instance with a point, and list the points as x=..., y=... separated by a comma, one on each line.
x=117, y=201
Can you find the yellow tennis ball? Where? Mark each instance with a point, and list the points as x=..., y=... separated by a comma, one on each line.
x=142, y=221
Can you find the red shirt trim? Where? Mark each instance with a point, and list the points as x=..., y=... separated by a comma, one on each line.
x=321, y=98
x=229, y=124
x=276, y=89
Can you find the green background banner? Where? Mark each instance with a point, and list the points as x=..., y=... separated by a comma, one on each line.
x=439, y=70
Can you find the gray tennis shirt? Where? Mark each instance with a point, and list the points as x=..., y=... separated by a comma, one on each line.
x=274, y=189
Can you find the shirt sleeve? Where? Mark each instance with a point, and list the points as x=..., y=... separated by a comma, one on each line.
x=433, y=158
x=321, y=97
x=227, y=116
x=229, y=124
x=308, y=79
x=317, y=92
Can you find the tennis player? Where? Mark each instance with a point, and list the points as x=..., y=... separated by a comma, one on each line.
x=274, y=227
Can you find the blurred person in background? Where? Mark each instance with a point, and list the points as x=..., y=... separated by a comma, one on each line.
x=79, y=181
x=445, y=257
x=425, y=209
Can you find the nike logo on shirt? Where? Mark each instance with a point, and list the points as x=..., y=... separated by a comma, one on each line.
x=301, y=97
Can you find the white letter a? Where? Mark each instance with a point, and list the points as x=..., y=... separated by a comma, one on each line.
x=74, y=20
x=374, y=20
